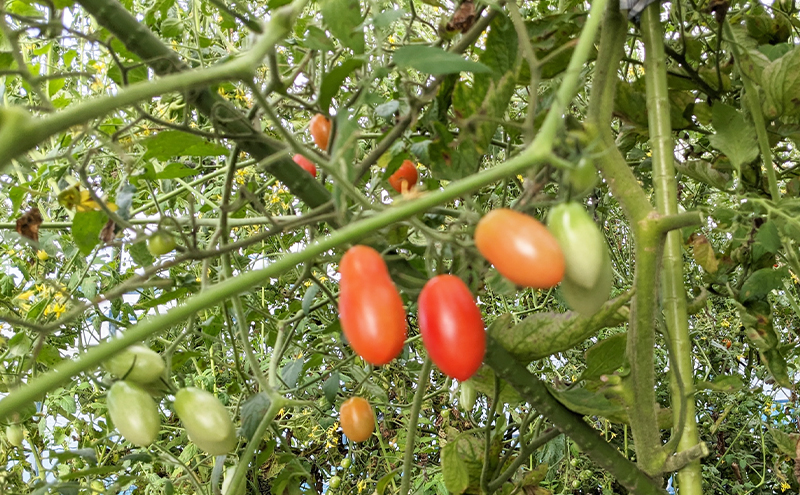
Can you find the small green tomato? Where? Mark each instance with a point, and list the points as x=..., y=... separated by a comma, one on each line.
x=346, y=463
x=335, y=481
x=14, y=435
x=160, y=243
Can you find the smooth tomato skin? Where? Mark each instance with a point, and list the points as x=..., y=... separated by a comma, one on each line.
x=160, y=243
x=406, y=173
x=320, y=129
x=451, y=326
x=206, y=420
x=356, y=419
x=305, y=164
x=581, y=241
x=370, y=308
x=520, y=248
x=133, y=412
x=14, y=435
x=137, y=363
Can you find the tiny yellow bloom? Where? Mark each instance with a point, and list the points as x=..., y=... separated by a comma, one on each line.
x=25, y=296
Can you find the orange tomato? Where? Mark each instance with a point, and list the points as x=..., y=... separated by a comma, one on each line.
x=320, y=128
x=305, y=164
x=520, y=248
x=356, y=419
x=405, y=177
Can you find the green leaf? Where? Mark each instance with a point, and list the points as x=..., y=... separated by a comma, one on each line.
x=316, y=39
x=308, y=298
x=703, y=171
x=761, y=283
x=735, y=136
x=167, y=144
x=86, y=227
x=722, y=383
x=781, y=84
x=380, y=486
x=432, y=60
x=176, y=171
x=786, y=442
x=171, y=28
x=605, y=356
x=343, y=19
x=331, y=387
x=454, y=470
x=291, y=372
x=253, y=411
x=768, y=241
x=140, y=254
x=332, y=81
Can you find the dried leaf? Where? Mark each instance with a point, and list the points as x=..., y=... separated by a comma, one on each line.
x=107, y=234
x=463, y=18
x=704, y=254
x=28, y=224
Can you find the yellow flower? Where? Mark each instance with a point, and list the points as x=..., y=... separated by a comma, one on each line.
x=56, y=309
x=725, y=323
x=785, y=486
x=362, y=485
x=26, y=296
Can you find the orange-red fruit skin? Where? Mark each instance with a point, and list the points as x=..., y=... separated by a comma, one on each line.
x=370, y=308
x=305, y=164
x=406, y=173
x=320, y=128
x=355, y=416
x=451, y=326
x=520, y=248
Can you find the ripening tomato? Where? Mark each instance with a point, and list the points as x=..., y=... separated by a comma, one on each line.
x=133, y=412
x=305, y=164
x=451, y=326
x=14, y=435
x=582, y=243
x=520, y=248
x=137, y=363
x=160, y=243
x=405, y=177
x=206, y=420
x=320, y=128
x=356, y=419
x=370, y=308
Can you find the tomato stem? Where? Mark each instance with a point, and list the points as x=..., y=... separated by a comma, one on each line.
x=413, y=418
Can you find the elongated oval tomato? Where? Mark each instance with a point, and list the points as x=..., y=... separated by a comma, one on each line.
x=14, y=435
x=370, y=308
x=133, y=412
x=137, y=363
x=305, y=164
x=451, y=326
x=355, y=416
x=320, y=129
x=206, y=420
x=520, y=248
x=582, y=243
x=405, y=177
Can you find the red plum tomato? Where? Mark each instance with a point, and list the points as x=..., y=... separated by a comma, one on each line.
x=405, y=177
x=520, y=248
x=320, y=129
x=370, y=308
x=356, y=419
x=305, y=164
x=451, y=326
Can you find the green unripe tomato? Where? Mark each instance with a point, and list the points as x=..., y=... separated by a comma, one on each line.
x=97, y=486
x=137, y=363
x=346, y=463
x=445, y=413
x=586, y=474
x=588, y=301
x=160, y=243
x=14, y=435
x=133, y=412
x=335, y=482
x=576, y=483
x=206, y=420
x=582, y=179
x=573, y=462
x=581, y=242
x=467, y=395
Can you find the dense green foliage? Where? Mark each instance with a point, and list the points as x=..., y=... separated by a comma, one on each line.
x=128, y=126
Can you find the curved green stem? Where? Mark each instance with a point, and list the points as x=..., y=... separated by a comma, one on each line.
x=252, y=445
x=413, y=418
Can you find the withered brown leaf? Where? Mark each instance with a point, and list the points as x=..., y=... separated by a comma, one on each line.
x=463, y=18
x=28, y=224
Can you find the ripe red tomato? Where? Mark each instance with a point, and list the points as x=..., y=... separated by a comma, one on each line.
x=320, y=128
x=520, y=248
x=206, y=420
x=305, y=164
x=404, y=178
x=356, y=419
x=451, y=326
x=370, y=308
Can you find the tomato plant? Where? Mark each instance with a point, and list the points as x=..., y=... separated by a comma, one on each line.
x=160, y=243
x=451, y=326
x=305, y=164
x=520, y=248
x=320, y=128
x=133, y=412
x=137, y=363
x=356, y=419
x=370, y=308
x=405, y=177
x=14, y=435
x=206, y=420
x=582, y=243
